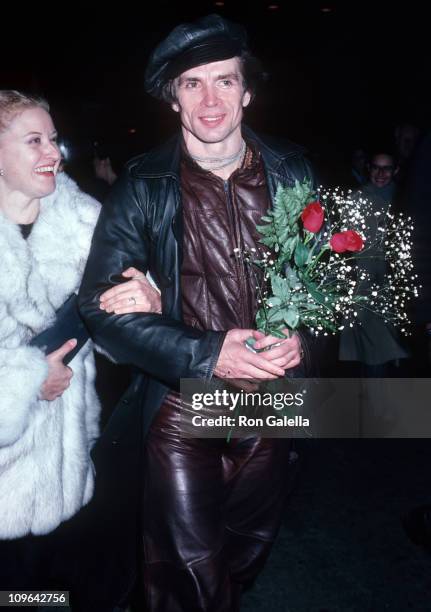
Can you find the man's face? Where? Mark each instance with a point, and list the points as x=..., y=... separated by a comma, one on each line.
x=382, y=170
x=210, y=100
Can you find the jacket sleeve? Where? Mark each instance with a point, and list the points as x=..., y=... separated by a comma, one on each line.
x=22, y=373
x=302, y=169
x=157, y=344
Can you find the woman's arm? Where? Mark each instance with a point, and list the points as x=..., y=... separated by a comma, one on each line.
x=23, y=371
x=26, y=376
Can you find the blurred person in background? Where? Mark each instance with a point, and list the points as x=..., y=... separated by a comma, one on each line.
x=374, y=344
x=406, y=138
x=358, y=168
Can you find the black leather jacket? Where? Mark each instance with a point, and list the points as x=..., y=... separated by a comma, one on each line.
x=140, y=226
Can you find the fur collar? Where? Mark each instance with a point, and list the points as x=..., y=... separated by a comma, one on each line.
x=38, y=274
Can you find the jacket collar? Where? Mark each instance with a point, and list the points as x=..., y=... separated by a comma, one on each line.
x=274, y=153
x=165, y=160
x=159, y=162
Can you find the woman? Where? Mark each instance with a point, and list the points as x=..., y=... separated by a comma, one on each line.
x=375, y=344
x=48, y=412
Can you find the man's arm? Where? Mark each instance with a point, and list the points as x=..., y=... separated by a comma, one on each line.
x=159, y=345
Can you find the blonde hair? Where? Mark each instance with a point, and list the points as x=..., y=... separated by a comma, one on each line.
x=14, y=102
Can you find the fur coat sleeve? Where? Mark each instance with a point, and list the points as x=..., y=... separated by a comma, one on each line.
x=45, y=469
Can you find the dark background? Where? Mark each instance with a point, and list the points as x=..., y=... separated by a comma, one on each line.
x=343, y=74
x=340, y=78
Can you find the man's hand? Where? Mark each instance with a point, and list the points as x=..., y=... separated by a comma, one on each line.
x=135, y=295
x=236, y=361
x=59, y=375
x=286, y=353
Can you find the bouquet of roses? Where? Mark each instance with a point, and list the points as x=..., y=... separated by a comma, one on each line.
x=310, y=269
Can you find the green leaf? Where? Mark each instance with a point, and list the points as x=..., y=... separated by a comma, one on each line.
x=292, y=278
x=277, y=331
x=276, y=315
x=280, y=227
x=264, y=229
x=279, y=287
x=274, y=301
x=261, y=320
x=301, y=254
x=291, y=317
x=317, y=295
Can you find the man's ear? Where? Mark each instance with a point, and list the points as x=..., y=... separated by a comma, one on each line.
x=246, y=99
x=175, y=106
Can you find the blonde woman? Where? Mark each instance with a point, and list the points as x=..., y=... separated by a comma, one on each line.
x=49, y=412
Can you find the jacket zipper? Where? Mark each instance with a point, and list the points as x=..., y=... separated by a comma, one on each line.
x=238, y=261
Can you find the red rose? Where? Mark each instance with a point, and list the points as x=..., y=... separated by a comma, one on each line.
x=312, y=217
x=346, y=241
x=338, y=243
x=354, y=241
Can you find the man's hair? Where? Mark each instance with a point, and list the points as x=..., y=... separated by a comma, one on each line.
x=251, y=71
x=384, y=151
x=14, y=102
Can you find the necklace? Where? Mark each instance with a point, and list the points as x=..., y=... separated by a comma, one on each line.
x=215, y=163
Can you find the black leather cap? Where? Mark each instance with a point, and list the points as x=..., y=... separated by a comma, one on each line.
x=206, y=40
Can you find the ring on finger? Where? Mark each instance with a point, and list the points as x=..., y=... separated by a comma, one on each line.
x=133, y=300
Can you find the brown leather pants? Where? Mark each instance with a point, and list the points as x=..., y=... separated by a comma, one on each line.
x=212, y=509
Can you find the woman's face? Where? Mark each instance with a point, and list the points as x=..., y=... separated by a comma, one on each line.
x=29, y=155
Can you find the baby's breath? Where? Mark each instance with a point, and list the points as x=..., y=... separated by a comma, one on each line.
x=305, y=283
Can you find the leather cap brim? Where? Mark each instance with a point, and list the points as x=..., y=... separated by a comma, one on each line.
x=207, y=40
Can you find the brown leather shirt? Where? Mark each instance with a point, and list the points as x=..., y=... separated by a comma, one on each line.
x=218, y=288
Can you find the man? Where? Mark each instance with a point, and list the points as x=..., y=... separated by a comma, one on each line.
x=381, y=186
x=211, y=509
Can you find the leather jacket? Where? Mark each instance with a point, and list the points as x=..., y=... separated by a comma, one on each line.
x=218, y=287
x=141, y=225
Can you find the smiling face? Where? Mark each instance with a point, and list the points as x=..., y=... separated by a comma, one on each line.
x=382, y=170
x=210, y=100
x=29, y=155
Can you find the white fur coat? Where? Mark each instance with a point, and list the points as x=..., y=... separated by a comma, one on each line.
x=46, y=474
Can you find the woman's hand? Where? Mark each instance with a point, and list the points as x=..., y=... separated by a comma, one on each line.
x=135, y=295
x=59, y=375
